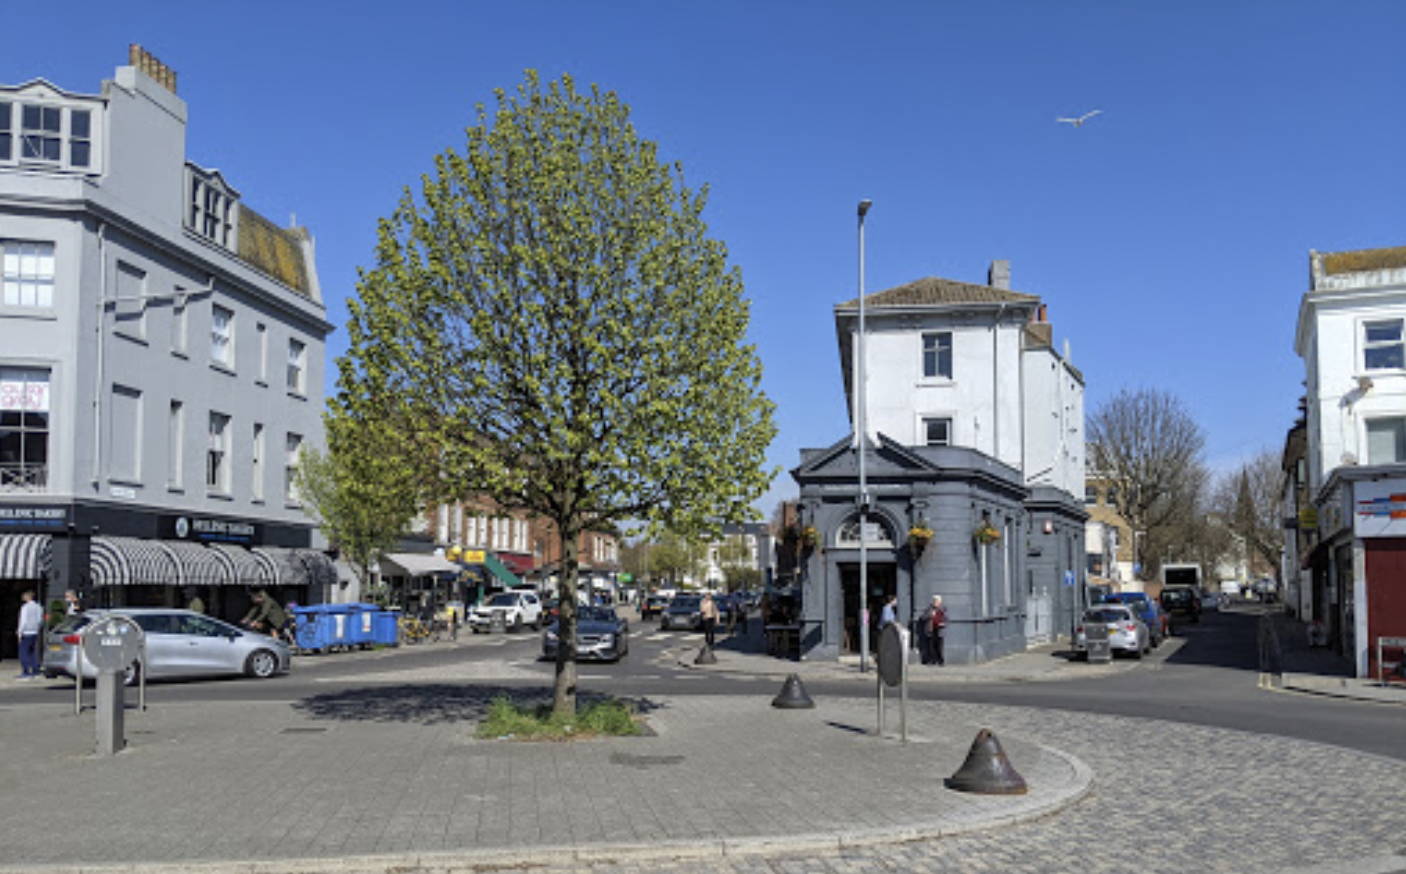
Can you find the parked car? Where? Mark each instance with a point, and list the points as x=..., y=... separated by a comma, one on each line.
x=1159, y=627
x=1181, y=601
x=653, y=605
x=600, y=634
x=1211, y=601
x=1126, y=632
x=516, y=609
x=179, y=644
x=685, y=611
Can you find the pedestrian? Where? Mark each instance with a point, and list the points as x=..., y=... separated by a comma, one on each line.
x=30, y=624
x=708, y=610
x=740, y=611
x=889, y=613
x=194, y=603
x=933, y=626
x=72, y=606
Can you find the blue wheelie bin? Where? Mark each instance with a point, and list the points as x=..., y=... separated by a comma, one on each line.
x=313, y=628
x=360, y=622
x=385, y=628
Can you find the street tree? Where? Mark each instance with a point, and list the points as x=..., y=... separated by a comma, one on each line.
x=357, y=491
x=1247, y=499
x=674, y=557
x=553, y=326
x=1148, y=446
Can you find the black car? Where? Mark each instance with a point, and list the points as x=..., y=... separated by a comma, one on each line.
x=1182, y=601
x=600, y=634
x=653, y=605
x=685, y=611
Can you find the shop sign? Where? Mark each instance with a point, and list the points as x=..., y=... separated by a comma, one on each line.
x=1308, y=518
x=33, y=518
x=1379, y=508
x=209, y=530
x=472, y=556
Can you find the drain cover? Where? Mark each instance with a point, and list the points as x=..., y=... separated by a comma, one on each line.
x=306, y=729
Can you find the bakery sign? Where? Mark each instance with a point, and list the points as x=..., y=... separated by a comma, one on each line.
x=206, y=529
x=1379, y=508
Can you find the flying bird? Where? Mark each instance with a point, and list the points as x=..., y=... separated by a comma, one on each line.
x=1079, y=122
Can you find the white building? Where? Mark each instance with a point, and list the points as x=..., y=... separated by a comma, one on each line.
x=1351, y=336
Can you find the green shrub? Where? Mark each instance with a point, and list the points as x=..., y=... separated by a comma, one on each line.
x=508, y=720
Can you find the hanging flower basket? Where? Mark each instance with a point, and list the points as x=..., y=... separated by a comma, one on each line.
x=986, y=534
x=809, y=536
x=920, y=535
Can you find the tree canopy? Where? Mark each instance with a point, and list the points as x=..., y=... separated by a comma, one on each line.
x=549, y=324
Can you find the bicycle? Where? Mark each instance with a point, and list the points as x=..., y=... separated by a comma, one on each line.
x=412, y=630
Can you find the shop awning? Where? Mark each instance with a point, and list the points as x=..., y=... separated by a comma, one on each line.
x=25, y=556
x=249, y=569
x=498, y=570
x=200, y=565
x=415, y=564
x=131, y=561
x=518, y=564
x=299, y=567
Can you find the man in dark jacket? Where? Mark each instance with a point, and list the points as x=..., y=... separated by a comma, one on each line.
x=932, y=626
x=265, y=615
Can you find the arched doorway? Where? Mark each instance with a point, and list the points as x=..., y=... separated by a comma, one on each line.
x=882, y=578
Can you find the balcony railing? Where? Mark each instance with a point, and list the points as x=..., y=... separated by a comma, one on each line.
x=24, y=478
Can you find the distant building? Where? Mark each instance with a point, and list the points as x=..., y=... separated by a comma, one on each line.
x=161, y=366
x=1351, y=336
x=747, y=548
x=975, y=431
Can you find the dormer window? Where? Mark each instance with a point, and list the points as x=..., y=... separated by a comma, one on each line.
x=46, y=134
x=212, y=208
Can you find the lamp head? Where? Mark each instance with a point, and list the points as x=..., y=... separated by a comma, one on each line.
x=864, y=207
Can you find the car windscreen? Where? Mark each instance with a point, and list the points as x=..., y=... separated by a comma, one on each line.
x=503, y=600
x=595, y=614
x=1105, y=616
x=71, y=624
x=685, y=605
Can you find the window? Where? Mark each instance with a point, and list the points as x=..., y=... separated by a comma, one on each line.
x=130, y=309
x=296, y=357
x=262, y=331
x=217, y=454
x=257, y=474
x=178, y=323
x=125, y=435
x=1091, y=494
x=7, y=132
x=1382, y=345
x=878, y=534
x=80, y=137
x=28, y=270
x=290, y=468
x=175, y=446
x=212, y=209
x=937, y=355
x=24, y=430
x=40, y=138
x=222, y=336
x=1386, y=441
x=1112, y=497
x=937, y=432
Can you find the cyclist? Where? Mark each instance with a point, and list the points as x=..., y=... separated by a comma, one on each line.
x=265, y=615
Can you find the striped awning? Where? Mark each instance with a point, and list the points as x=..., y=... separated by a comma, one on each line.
x=131, y=561
x=249, y=568
x=200, y=565
x=300, y=567
x=25, y=556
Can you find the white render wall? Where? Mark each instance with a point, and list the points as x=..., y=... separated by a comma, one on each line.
x=982, y=398
x=1338, y=409
x=1054, y=422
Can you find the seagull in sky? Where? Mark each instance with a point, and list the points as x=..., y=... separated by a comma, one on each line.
x=1079, y=122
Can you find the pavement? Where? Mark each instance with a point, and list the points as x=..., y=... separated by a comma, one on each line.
x=1296, y=666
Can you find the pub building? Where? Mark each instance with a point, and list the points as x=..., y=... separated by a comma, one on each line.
x=161, y=362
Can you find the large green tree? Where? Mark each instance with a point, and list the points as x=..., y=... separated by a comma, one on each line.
x=551, y=326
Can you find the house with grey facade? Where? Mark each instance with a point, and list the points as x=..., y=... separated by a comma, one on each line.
x=161, y=360
x=974, y=456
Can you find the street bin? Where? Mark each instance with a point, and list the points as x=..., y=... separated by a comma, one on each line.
x=313, y=627
x=361, y=619
x=385, y=628
x=1096, y=640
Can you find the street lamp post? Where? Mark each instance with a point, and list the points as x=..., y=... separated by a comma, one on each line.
x=861, y=428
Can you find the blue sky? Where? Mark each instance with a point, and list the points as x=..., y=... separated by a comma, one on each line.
x=1169, y=235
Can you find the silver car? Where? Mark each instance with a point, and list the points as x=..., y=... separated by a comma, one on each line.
x=1126, y=631
x=179, y=643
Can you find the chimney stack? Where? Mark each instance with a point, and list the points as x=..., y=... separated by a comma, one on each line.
x=146, y=62
x=1000, y=275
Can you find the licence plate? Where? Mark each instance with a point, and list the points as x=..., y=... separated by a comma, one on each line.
x=54, y=647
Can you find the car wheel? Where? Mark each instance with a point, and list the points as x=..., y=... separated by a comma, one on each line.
x=517, y=623
x=261, y=663
x=537, y=624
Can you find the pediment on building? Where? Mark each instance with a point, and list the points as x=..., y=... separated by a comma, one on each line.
x=886, y=459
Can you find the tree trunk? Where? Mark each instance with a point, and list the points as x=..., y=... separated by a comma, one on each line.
x=564, y=690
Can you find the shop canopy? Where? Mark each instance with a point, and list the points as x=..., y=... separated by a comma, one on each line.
x=415, y=564
x=25, y=556
x=132, y=561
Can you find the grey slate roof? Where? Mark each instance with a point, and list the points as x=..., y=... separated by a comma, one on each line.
x=932, y=291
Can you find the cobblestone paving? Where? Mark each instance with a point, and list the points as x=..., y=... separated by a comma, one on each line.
x=1168, y=798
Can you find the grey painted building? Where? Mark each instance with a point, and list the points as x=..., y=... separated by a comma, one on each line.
x=974, y=424
x=161, y=359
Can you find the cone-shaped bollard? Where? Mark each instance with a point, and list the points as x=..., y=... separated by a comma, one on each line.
x=793, y=696
x=987, y=771
x=706, y=657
